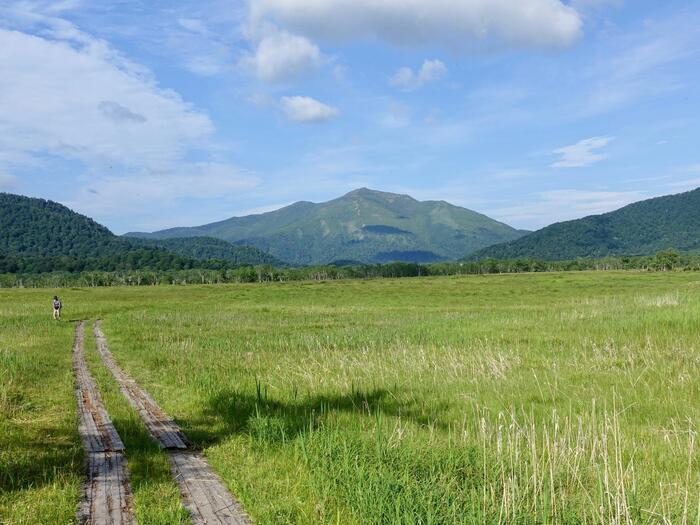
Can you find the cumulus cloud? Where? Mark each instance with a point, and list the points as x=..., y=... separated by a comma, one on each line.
x=456, y=24
x=118, y=113
x=281, y=57
x=307, y=110
x=430, y=71
x=69, y=97
x=72, y=101
x=582, y=154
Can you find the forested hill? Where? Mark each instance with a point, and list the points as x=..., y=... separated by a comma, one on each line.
x=364, y=225
x=45, y=235
x=205, y=248
x=641, y=228
x=39, y=228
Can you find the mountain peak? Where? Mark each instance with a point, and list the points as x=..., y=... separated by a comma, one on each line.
x=363, y=225
x=385, y=195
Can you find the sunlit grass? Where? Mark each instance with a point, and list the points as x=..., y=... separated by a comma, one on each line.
x=560, y=398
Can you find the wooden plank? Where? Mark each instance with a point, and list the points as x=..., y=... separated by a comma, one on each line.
x=160, y=426
x=203, y=493
x=106, y=497
x=96, y=429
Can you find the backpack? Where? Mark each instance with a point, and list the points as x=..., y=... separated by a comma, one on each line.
x=56, y=304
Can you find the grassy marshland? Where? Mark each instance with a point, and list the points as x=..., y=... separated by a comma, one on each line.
x=531, y=399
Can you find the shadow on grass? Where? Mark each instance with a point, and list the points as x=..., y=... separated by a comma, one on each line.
x=270, y=420
x=156, y=496
x=38, y=462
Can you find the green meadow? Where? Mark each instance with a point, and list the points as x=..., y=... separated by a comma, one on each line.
x=563, y=398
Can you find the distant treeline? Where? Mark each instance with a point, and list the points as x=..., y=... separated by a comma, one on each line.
x=177, y=270
x=155, y=259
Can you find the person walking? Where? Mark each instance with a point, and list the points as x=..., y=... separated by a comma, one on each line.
x=57, y=305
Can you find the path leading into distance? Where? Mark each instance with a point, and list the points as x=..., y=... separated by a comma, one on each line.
x=203, y=493
x=106, y=498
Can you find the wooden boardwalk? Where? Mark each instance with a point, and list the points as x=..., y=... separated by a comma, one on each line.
x=106, y=498
x=203, y=493
x=162, y=429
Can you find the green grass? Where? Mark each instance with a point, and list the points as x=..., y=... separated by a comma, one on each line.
x=530, y=399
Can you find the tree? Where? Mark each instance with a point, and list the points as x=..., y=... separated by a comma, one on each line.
x=667, y=259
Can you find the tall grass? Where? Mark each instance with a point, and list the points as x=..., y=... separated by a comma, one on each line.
x=529, y=399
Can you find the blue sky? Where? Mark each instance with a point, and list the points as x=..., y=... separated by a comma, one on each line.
x=149, y=114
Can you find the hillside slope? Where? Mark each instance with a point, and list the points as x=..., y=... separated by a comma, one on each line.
x=364, y=225
x=641, y=228
x=205, y=248
x=40, y=228
x=32, y=227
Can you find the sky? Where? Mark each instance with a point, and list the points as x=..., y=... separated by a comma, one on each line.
x=151, y=114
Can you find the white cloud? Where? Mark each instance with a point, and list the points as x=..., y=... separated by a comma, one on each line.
x=456, y=24
x=282, y=57
x=71, y=97
x=85, y=102
x=307, y=109
x=7, y=181
x=430, y=71
x=582, y=154
x=118, y=113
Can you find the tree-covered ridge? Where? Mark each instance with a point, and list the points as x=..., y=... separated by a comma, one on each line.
x=206, y=248
x=641, y=228
x=38, y=235
x=41, y=228
x=135, y=259
x=364, y=225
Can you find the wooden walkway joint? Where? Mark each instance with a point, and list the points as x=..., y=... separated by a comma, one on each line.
x=203, y=493
x=106, y=498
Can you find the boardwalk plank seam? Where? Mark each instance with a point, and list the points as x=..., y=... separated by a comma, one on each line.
x=106, y=492
x=203, y=493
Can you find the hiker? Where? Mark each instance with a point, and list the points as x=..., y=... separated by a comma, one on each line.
x=57, y=307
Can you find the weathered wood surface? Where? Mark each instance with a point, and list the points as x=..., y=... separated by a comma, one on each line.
x=162, y=429
x=203, y=493
x=106, y=498
x=95, y=428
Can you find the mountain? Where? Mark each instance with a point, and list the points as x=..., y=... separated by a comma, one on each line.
x=365, y=225
x=205, y=248
x=641, y=228
x=32, y=227
x=40, y=228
